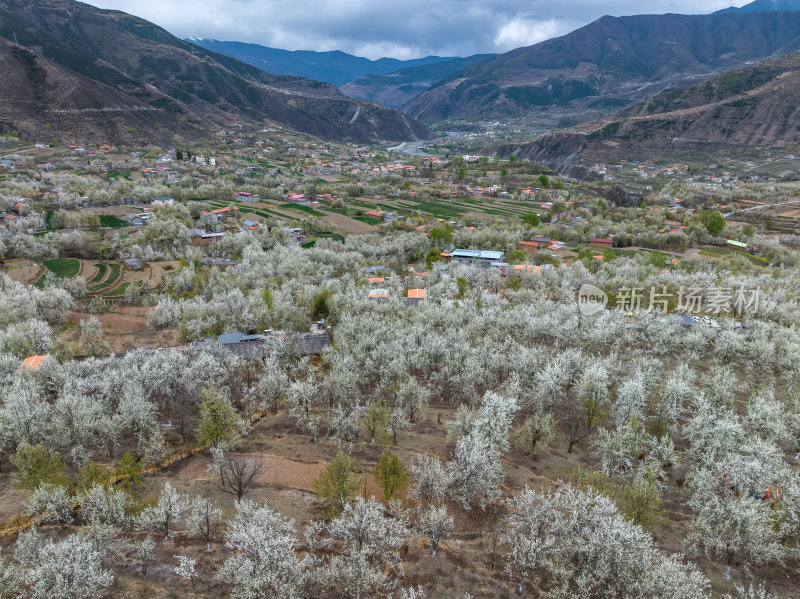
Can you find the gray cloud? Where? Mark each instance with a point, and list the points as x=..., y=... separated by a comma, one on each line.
x=406, y=29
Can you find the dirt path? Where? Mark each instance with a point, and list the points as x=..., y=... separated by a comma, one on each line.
x=278, y=472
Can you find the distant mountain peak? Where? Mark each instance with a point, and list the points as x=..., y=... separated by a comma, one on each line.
x=334, y=66
x=764, y=6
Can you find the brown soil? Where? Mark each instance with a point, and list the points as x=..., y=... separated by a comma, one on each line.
x=88, y=269
x=347, y=224
x=120, y=211
x=116, y=323
x=157, y=270
x=23, y=271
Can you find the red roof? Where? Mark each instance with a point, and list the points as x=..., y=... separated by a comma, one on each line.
x=34, y=362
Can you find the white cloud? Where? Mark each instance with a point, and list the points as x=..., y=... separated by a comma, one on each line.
x=521, y=31
x=375, y=28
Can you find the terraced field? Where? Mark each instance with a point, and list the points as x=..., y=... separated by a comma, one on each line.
x=102, y=269
x=120, y=291
x=112, y=276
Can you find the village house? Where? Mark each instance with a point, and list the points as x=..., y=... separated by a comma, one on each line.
x=484, y=258
x=606, y=242
x=133, y=263
x=222, y=263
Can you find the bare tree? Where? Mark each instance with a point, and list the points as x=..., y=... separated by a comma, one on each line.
x=237, y=474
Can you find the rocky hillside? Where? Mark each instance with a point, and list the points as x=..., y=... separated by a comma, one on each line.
x=751, y=108
x=609, y=64
x=88, y=74
x=398, y=88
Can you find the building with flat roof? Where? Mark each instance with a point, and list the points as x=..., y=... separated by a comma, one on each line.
x=483, y=257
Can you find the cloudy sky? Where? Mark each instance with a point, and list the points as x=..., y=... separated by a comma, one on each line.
x=401, y=29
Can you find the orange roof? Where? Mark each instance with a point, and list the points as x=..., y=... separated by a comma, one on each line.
x=376, y=280
x=528, y=267
x=378, y=293
x=221, y=210
x=416, y=293
x=34, y=362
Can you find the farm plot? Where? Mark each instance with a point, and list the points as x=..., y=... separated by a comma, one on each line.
x=63, y=268
x=306, y=209
x=109, y=220
x=120, y=291
x=114, y=272
x=102, y=270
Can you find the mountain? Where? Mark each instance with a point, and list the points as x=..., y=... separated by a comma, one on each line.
x=763, y=6
x=751, y=108
x=334, y=67
x=398, y=88
x=609, y=64
x=71, y=70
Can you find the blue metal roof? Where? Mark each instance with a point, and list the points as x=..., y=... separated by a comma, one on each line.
x=230, y=338
x=478, y=254
x=233, y=338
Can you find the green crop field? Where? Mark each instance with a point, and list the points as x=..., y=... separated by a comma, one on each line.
x=113, y=277
x=63, y=268
x=122, y=288
x=102, y=269
x=109, y=220
x=368, y=220
x=441, y=211
x=306, y=209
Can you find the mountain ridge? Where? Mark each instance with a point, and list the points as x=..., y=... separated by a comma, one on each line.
x=400, y=87
x=762, y=6
x=608, y=64
x=154, y=83
x=336, y=67
x=748, y=108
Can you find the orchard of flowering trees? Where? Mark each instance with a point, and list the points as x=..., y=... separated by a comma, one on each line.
x=557, y=441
